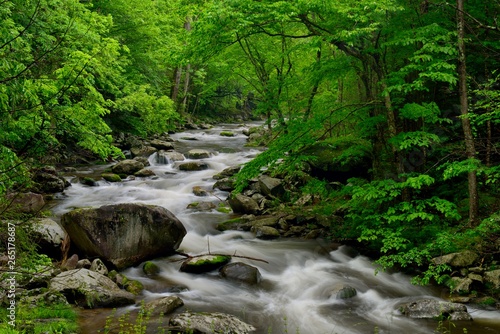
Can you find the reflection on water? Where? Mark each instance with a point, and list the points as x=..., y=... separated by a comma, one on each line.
x=296, y=294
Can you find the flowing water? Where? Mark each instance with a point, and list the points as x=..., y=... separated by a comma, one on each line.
x=295, y=295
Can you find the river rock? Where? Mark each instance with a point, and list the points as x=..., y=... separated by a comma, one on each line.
x=127, y=167
x=165, y=305
x=208, y=323
x=150, y=268
x=492, y=278
x=111, y=177
x=241, y=272
x=435, y=309
x=29, y=202
x=124, y=234
x=163, y=157
x=202, y=206
x=144, y=173
x=90, y=289
x=243, y=204
x=462, y=259
x=203, y=264
x=142, y=151
x=47, y=180
x=198, y=154
x=265, y=232
x=200, y=191
x=227, y=134
x=343, y=291
x=193, y=166
x=225, y=184
x=270, y=186
x=162, y=145
x=98, y=266
x=48, y=235
x=227, y=172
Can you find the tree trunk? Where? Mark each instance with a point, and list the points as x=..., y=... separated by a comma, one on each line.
x=464, y=106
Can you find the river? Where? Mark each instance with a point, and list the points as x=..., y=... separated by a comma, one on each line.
x=295, y=294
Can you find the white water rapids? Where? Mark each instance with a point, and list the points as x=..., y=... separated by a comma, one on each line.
x=295, y=294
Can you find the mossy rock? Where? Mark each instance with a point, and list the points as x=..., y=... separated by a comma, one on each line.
x=227, y=134
x=134, y=287
x=150, y=268
x=111, y=177
x=203, y=264
x=88, y=181
x=237, y=224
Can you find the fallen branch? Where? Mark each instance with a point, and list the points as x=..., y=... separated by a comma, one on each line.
x=200, y=255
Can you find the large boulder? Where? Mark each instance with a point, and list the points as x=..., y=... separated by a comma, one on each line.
x=47, y=180
x=270, y=186
x=462, y=259
x=124, y=234
x=142, y=151
x=435, y=309
x=162, y=145
x=167, y=157
x=210, y=323
x=165, y=305
x=90, y=289
x=193, y=166
x=128, y=167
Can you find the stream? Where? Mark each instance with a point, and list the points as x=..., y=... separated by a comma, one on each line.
x=295, y=293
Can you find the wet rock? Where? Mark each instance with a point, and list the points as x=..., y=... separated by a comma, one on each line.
x=142, y=151
x=203, y=264
x=226, y=134
x=88, y=181
x=435, y=309
x=265, y=232
x=211, y=323
x=28, y=202
x=127, y=167
x=133, y=286
x=271, y=186
x=227, y=172
x=198, y=154
x=150, y=268
x=124, y=234
x=226, y=184
x=144, y=173
x=164, y=157
x=343, y=291
x=99, y=267
x=111, y=177
x=242, y=272
x=202, y=206
x=144, y=160
x=162, y=145
x=462, y=259
x=47, y=180
x=165, y=305
x=90, y=289
x=200, y=191
x=243, y=204
x=237, y=224
x=193, y=166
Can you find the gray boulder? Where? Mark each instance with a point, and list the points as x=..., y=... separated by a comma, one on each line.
x=462, y=259
x=162, y=145
x=265, y=232
x=211, y=323
x=144, y=173
x=193, y=166
x=225, y=184
x=128, y=167
x=241, y=272
x=343, y=291
x=493, y=278
x=98, y=266
x=165, y=305
x=142, y=151
x=270, y=186
x=90, y=289
x=243, y=204
x=435, y=309
x=164, y=157
x=48, y=181
x=198, y=154
x=227, y=172
x=124, y=234
x=49, y=236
